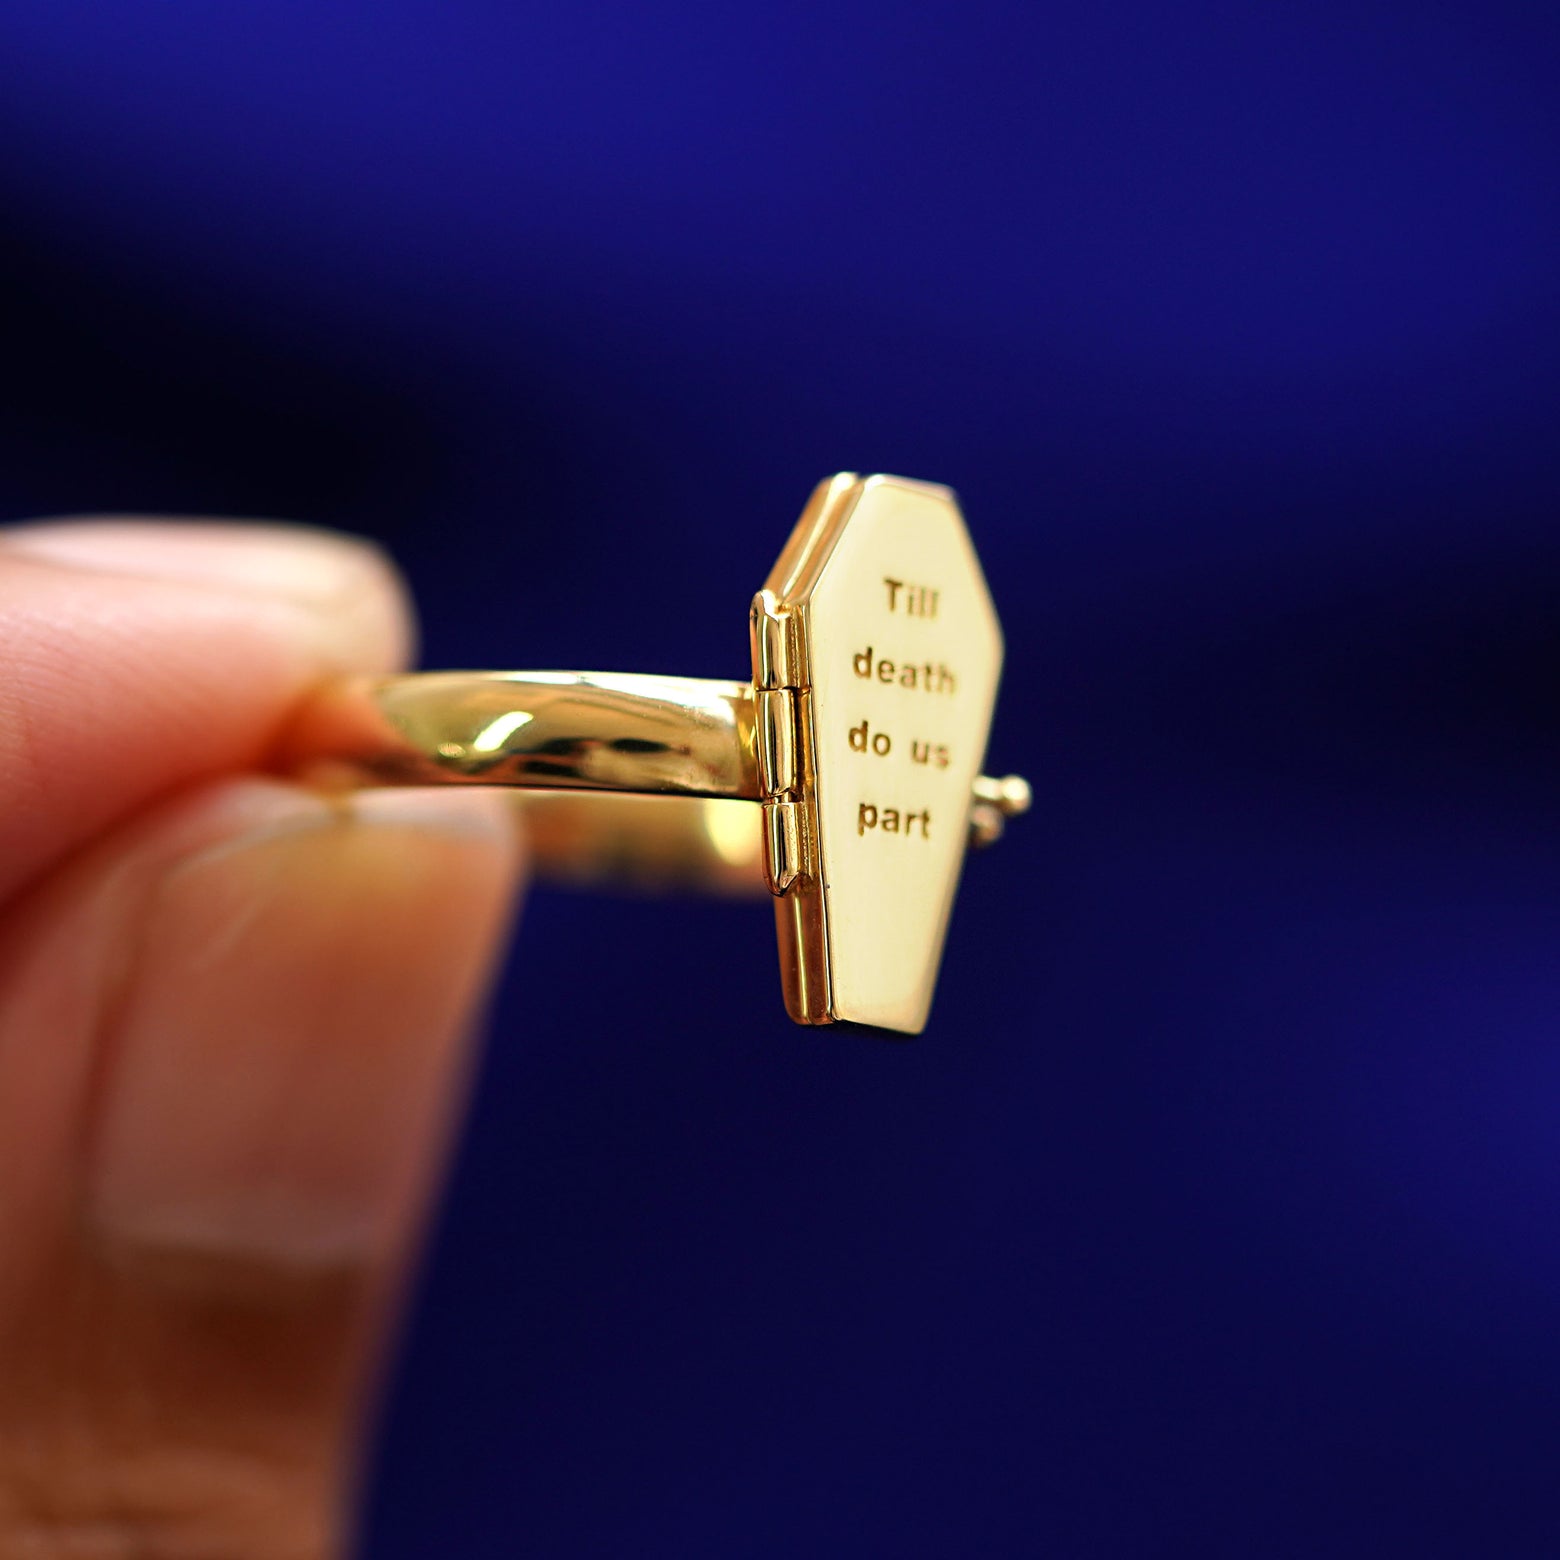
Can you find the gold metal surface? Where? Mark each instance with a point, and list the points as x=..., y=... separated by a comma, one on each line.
x=645, y=844
x=995, y=802
x=893, y=636
x=572, y=731
x=876, y=654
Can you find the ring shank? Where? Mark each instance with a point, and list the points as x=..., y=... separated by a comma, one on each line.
x=675, y=757
x=572, y=731
x=651, y=844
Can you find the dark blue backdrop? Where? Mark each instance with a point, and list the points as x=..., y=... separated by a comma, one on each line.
x=1218, y=1212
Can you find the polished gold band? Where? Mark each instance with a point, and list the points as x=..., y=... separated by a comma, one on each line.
x=673, y=762
x=566, y=731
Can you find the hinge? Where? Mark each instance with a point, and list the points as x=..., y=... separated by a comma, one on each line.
x=773, y=634
x=779, y=741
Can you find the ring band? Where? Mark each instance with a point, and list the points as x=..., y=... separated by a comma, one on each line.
x=876, y=654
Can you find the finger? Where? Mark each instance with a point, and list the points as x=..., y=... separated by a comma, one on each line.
x=137, y=656
x=232, y=1039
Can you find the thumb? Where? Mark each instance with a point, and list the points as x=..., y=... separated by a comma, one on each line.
x=232, y=1041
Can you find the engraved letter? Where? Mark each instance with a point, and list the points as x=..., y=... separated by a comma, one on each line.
x=894, y=587
x=862, y=661
x=866, y=817
x=863, y=739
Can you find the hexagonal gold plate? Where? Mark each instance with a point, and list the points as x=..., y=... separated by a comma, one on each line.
x=878, y=633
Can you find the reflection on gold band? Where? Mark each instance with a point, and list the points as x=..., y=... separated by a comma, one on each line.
x=678, y=752
x=645, y=843
x=571, y=731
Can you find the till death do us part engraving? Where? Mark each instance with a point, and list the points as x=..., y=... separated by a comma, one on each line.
x=876, y=640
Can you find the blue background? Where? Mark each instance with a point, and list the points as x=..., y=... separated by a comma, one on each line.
x=1218, y=1212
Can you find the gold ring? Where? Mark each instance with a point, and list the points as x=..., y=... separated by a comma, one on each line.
x=860, y=738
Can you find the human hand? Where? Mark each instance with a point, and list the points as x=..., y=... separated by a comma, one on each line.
x=233, y=1036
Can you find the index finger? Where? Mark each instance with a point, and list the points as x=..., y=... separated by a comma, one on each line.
x=138, y=657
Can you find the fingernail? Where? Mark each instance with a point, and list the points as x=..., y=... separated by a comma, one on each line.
x=346, y=584
x=291, y=1045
